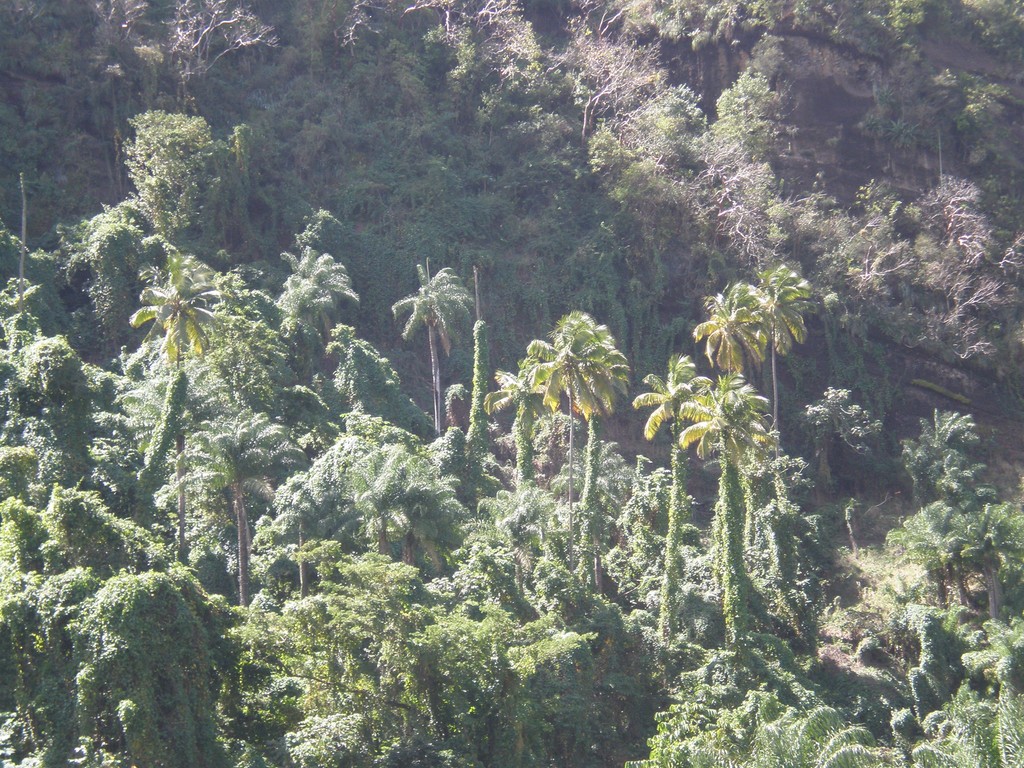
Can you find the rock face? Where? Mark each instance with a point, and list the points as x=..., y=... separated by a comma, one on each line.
x=850, y=117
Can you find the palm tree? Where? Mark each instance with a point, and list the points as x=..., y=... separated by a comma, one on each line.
x=728, y=419
x=521, y=516
x=994, y=535
x=399, y=492
x=733, y=330
x=783, y=298
x=313, y=290
x=582, y=363
x=240, y=453
x=668, y=397
x=440, y=304
x=178, y=303
x=518, y=390
x=934, y=538
x=820, y=738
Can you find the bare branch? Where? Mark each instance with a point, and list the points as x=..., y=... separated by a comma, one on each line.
x=203, y=31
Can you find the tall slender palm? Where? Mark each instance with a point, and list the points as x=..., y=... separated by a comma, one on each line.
x=783, y=298
x=178, y=302
x=668, y=397
x=517, y=389
x=240, y=454
x=728, y=419
x=733, y=330
x=582, y=363
x=441, y=304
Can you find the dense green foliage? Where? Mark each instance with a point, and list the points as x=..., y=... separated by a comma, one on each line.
x=230, y=534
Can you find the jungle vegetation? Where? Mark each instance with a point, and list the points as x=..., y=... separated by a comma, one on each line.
x=511, y=383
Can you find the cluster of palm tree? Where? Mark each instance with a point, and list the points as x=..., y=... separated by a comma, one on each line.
x=747, y=323
x=578, y=367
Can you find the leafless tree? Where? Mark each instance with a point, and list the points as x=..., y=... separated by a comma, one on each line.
x=952, y=208
x=616, y=77
x=119, y=17
x=740, y=194
x=203, y=31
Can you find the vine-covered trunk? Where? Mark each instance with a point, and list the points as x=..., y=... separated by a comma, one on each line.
x=244, y=543
x=677, y=511
x=522, y=429
x=729, y=569
x=303, y=566
x=591, y=510
x=775, y=397
x=179, y=476
x=572, y=431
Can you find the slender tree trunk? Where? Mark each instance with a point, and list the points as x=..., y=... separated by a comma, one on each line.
x=995, y=590
x=435, y=371
x=244, y=544
x=942, y=577
x=383, y=547
x=179, y=472
x=589, y=502
x=24, y=245
x=303, y=566
x=961, y=588
x=572, y=431
x=775, y=402
x=408, y=549
x=676, y=512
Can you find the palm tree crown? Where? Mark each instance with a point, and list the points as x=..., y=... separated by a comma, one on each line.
x=240, y=453
x=733, y=330
x=582, y=362
x=314, y=288
x=784, y=297
x=441, y=303
x=728, y=418
x=179, y=305
x=518, y=390
x=668, y=396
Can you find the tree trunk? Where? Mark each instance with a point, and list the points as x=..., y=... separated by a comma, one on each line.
x=244, y=545
x=303, y=566
x=591, y=511
x=670, y=578
x=572, y=431
x=179, y=472
x=383, y=547
x=943, y=588
x=521, y=428
x=408, y=549
x=995, y=590
x=775, y=401
x=731, y=573
x=435, y=371
x=961, y=588
x=24, y=246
